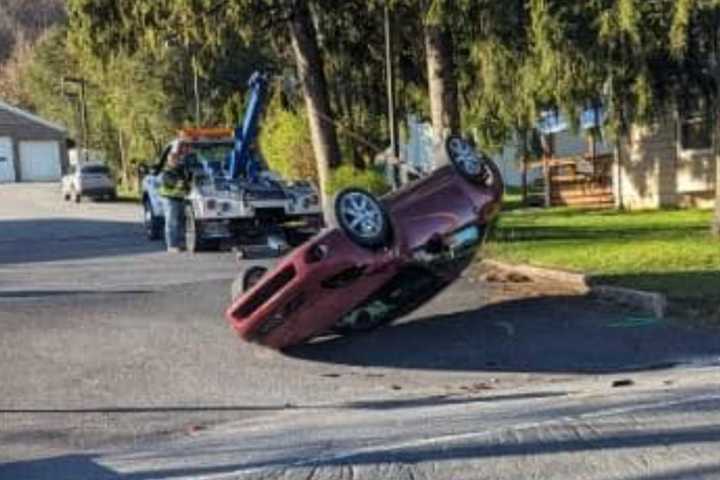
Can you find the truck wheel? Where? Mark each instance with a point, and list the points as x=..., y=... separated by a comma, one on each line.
x=153, y=224
x=363, y=219
x=194, y=241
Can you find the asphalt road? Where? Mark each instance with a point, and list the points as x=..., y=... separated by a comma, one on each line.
x=115, y=362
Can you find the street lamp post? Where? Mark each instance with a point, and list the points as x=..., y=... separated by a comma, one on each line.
x=83, y=108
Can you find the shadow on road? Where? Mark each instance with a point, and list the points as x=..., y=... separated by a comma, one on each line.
x=45, y=240
x=546, y=334
x=86, y=467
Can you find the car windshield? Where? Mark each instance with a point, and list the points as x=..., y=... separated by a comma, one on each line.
x=95, y=170
x=408, y=290
x=214, y=154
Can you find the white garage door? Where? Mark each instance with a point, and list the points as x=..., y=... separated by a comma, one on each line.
x=40, y=161
x=7, y=167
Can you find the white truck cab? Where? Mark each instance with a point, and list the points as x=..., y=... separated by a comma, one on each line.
x=219, y=209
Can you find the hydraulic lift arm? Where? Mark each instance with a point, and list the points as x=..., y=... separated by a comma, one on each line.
x=246, y=134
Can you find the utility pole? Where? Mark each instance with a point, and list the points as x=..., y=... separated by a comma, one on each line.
x=392, y=118
x=84, y=129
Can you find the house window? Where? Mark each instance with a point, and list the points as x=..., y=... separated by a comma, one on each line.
x=696, y=127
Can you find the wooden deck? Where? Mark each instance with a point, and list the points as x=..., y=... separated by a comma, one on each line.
x=585, y=182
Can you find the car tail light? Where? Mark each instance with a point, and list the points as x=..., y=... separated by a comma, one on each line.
x=266, y=291
x=316, y=253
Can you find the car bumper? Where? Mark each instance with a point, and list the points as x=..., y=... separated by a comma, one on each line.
x=293, y=305
x=98, y=191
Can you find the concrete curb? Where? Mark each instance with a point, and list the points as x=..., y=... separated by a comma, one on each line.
x=652, y=303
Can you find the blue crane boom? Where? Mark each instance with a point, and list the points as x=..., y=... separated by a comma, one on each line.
x=246, y=134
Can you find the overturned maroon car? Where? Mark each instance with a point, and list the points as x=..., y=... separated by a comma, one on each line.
x=385, y=257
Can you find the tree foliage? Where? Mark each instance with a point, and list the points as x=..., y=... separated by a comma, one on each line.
x=286, y=144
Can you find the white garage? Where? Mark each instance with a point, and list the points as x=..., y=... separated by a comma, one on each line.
x=31, y=149
x=40, y=161
x=7, y=160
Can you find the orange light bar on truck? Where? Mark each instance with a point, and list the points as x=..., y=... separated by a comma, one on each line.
x=205, y=133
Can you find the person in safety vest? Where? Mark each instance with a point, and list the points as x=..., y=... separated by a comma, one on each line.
x=174, y=187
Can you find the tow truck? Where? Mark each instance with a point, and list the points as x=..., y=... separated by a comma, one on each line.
x=234, y=198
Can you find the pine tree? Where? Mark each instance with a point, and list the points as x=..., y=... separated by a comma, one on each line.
x=108, y=27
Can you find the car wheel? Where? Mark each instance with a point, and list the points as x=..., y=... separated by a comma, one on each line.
x=76, y=197
x=363, y=219
x=153, y=228
x=247, y=280
x=252, y=276
x=472, y=165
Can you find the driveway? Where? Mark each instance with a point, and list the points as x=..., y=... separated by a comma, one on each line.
x=109, y=344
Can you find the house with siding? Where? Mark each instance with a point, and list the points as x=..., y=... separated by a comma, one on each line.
x=32, y=149
x=670, y=163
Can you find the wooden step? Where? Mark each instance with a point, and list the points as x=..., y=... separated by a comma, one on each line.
x=584, y=201
x=578, y=178
x=582, y=193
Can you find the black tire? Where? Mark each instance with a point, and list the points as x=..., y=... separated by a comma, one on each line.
x=194, y=241
x=153, y=223
x=252, y=276
x=372, y=230
x=193, y=236
x=247, y=280
x=76, y=197
x=472, y=165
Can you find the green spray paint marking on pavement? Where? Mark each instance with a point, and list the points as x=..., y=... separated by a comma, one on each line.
x=634, y=322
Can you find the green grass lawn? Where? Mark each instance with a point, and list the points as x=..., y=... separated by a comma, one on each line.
x=667, y=251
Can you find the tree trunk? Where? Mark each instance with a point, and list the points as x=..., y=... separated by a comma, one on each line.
x=442, y=82
x=196, y=90
x=716, y=220
x=548, y=154
x=716, y=127
x=312, y=77
x=124, y=177
x=617, y=154
x=524, y=159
